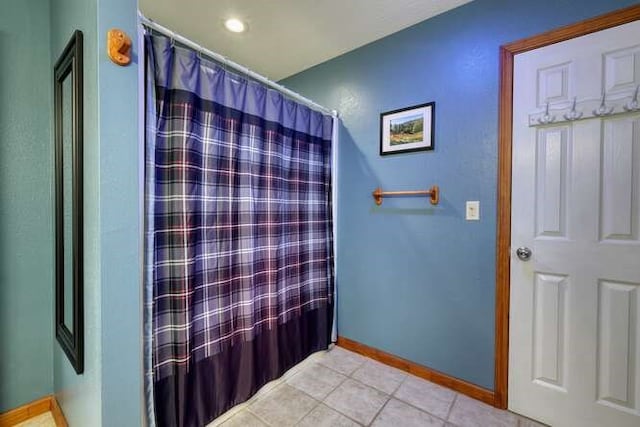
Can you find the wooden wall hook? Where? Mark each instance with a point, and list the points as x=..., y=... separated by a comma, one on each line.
x=119, y=46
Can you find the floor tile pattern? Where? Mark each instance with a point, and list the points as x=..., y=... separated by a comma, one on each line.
x=339, y=388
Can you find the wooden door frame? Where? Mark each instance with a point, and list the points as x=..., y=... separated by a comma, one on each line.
x=505, y=128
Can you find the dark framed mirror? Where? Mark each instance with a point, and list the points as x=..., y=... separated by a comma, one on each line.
x=68, y=132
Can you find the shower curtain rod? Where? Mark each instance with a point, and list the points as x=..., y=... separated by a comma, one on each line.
x=229, y=63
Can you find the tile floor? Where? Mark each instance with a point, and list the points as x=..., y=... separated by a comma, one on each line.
x=339, y=388
x=42, y=420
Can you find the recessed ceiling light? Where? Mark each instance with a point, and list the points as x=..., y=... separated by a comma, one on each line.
x=234, y=25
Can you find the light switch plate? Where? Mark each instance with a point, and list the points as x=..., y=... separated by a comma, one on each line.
x=473, y=210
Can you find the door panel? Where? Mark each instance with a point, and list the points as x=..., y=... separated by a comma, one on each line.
x=619, y=178
x=574, y=356
x=553, y=83
x=552, y=177
x=618, y=368
x=622, y=69
x=550, y=313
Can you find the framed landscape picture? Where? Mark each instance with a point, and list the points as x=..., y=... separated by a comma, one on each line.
x=408, y=129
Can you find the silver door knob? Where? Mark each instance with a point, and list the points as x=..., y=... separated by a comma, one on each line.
x=524, y=253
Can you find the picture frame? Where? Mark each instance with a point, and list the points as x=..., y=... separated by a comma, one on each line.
x=408, y=129
x=68, y=149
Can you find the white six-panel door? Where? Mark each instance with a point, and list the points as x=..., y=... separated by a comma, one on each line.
x=574, y=357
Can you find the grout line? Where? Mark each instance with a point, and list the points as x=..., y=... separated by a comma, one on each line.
x=389, y=396
x=399, y=399
x=405, y=376
x=404, y=380
x=318, y=403
x=420, y=409
x=307, y=363
x=350, y=377
x=342, y=373
x=342, y=380
x=453, y=402
x=341, y=413
x=267, y=389
x=417, y=409
x=306, y=394
x=354, y=420
x=380, y=410
x=356, y=370
x=398, y=386
x=392, y=395
x=257, y=416
x=336, y=409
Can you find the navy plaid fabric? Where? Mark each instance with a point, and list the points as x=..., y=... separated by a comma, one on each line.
x=240, y=205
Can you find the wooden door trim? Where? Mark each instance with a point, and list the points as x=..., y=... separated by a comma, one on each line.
x=505, y=127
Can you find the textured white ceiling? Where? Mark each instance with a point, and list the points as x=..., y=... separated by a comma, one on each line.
x=287, y=36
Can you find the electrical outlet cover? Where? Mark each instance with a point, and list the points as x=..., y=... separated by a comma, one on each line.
x=473, y=210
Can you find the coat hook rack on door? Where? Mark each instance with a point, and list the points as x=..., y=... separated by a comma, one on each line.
x=433, y=193
x=633, y=104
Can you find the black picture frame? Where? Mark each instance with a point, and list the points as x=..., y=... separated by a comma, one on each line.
x=422, y=114
x=69, y=65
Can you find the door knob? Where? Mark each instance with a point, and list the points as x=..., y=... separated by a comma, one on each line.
x=524, y=253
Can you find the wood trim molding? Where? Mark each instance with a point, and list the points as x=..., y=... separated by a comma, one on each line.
x=58, y=416
x=24, y=412
x=445, y=380
x=503, y=239
x=505, y=122
x=588, y=26
x=33, y=409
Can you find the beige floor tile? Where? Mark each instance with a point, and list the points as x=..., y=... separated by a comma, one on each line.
x=380, y=376
x=284, y=406
x=316, y=380
x=467, y=412
x=396, y=413
x=426, y=395
x=362, y=400
x=323, y=416
x=341, y=360
x=243, y=419
x=42, y=420
x=356, y=400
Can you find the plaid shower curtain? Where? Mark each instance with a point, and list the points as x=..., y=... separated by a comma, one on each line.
x=239, y=261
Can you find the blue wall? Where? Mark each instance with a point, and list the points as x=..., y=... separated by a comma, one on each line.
x=120, y=201
x=80, y=395
x=33, y=33
x=109, y=392
x=26, y=241
x=417, y=281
